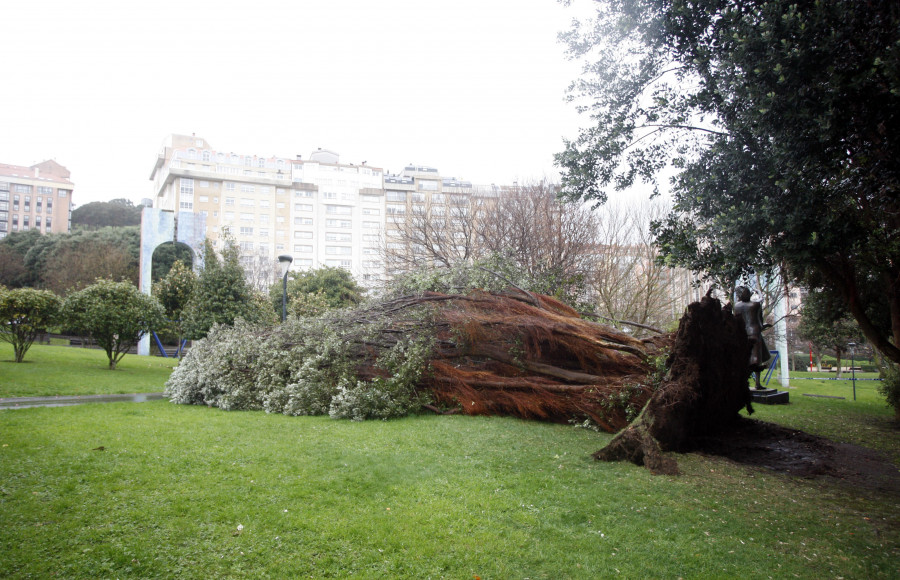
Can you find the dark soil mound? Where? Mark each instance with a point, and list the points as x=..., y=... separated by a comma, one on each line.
x=760, y=444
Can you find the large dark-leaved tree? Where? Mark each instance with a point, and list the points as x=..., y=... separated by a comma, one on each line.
x=780, y=121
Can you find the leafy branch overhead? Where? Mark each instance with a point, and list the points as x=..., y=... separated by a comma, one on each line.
x=780, y=125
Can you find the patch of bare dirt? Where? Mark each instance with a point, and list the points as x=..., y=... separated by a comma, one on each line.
x=761, y=444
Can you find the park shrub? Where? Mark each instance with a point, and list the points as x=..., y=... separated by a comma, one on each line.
x=306, y=366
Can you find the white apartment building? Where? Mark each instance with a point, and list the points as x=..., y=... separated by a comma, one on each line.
x=320, y=211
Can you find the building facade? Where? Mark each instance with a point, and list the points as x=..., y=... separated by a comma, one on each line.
x=38, y=197
x=318, y=210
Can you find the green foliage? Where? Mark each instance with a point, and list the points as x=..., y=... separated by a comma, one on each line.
x=826, y=323
x=98, y=214
x=493, y=273
x=165, y=256
x=221, y=294
x=115, y=314
x=782, y=122
x=306, y=305
x=174, y=292
x=306, y=366
x=64, y=262
x=890, y=386
x=25, y=313
x=13, y=272
x=335, y=286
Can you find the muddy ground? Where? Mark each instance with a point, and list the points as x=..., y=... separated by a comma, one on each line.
x=761, y=444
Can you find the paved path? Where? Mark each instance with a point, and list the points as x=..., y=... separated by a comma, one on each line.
x=64, y=401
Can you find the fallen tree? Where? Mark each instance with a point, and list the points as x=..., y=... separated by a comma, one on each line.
x=511, y=353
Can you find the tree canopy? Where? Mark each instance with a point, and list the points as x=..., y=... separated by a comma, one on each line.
x=826, y=323
x=313, y=289
x=781, y=120
x=98, y=214
x=115, y=314
x=24, y=314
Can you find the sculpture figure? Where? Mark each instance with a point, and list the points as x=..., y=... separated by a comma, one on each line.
x=751, y=313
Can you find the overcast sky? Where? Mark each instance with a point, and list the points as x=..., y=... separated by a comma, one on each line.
x=475, y=88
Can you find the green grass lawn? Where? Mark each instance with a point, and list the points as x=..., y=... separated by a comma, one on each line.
x=146, y=490
x=60, y=370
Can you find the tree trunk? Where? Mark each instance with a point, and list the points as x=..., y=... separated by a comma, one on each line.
x=837, y=356
x=704, y=389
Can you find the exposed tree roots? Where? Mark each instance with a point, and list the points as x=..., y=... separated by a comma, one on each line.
x=704, y=389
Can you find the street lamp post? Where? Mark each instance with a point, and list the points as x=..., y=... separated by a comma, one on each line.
x=852, y=346
x=285, y=262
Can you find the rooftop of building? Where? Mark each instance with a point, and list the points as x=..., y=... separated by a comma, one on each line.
x=49, y=170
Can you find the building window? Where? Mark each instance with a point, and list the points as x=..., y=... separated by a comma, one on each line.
x=247, y=188
x=45, y=190
x=371, y=211
x=246, y=246
x=205, y=155
x=203, y=184
x=339, y=209
x=47, y=223
x=279, y=205
x=63, y=192
x=246, y=231
x=303, y=193
x=329, y=195
x=186, y=205
x=229, y=201
x=395, y=196
x=263, y=233
x=338, y=250
x=229, y=186
x=303, y=206
x=371, y=225
x=338, y=223
x=345, y=264
x=203, y=198
x=303, y=249
x=228, y=215
x=247, y=202
x=370, y=198
x=335, y=237
x=247, y=217
x=303, y=235
x=303, y=221
x=187, y=186
x=303, y=262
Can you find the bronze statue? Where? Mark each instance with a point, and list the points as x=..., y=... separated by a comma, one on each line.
x=751, y=312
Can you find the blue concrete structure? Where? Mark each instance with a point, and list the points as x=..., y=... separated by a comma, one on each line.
x=158, y=227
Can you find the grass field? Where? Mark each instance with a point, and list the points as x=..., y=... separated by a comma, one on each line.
x=61, y=370
x=155, y=490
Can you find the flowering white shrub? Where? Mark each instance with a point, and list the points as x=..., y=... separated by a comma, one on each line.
x=303, y=367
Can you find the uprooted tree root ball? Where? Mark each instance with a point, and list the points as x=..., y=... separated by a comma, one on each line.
x=705, y=388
